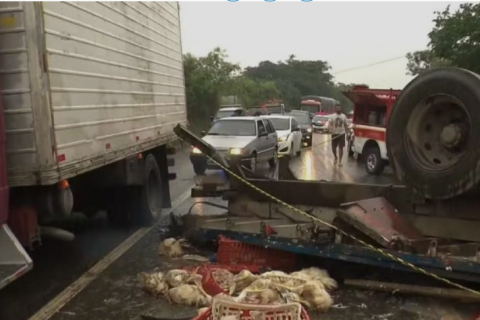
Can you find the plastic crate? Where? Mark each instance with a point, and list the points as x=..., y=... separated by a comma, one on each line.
x=209, y=283
x=242, y=311
x=232, y=252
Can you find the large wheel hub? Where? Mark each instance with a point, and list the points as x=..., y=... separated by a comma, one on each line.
x=437, y=133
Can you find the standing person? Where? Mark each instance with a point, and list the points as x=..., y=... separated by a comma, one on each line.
x=338, y=127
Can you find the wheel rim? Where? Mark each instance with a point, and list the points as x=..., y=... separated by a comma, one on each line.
x=438, y=133
x=371, y=161
x=153, y=191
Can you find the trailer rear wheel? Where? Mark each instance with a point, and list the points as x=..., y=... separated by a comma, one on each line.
x=138, y=205
x=431, y=134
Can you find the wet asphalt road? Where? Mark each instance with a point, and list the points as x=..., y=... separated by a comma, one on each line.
x=58, y=264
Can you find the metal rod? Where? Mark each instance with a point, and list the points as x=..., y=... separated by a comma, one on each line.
x=412, y=289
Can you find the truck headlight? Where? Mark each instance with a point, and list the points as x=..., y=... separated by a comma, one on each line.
x=196, y=151
x=236, y=151
x=309, y=130
x=282, y=139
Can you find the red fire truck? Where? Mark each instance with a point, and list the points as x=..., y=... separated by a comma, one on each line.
x=371, y=110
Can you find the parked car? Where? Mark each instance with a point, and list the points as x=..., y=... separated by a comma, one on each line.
x=320, y=123
x=289, y=134
x=228, y=112
x=253, y=139
x=305, y=123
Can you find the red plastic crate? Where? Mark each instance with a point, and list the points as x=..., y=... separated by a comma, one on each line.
x=232, y=252
x=208, y=281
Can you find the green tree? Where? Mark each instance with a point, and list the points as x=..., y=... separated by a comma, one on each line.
x=253, y=92
x=295, y=78
x=454, y=41
x=456, y=36
x=421, y=61
x=206, y=78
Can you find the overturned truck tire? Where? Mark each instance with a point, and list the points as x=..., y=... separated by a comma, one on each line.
x=433, y=133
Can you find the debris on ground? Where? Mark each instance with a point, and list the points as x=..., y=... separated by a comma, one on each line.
x=172, y=248
x=271, y=287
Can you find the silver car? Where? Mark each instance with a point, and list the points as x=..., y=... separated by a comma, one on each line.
x=251, y=139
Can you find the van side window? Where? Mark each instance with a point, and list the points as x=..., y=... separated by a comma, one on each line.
x=261, y=127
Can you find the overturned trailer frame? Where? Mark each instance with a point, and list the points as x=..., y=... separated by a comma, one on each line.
x=390, y=217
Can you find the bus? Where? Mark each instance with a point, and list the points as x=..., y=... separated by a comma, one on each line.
x=318, y=105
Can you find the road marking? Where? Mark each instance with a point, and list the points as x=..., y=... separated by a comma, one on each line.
x=51, y=308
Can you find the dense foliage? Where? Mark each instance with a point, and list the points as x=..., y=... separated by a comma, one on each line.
x=454, y=41
x=209, y=78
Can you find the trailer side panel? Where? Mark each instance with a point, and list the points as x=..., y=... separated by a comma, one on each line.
x=26, y=111
x=113, y=86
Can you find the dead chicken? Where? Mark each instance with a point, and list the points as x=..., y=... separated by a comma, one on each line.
x=224, y=279
x=171, y=248
x=314, y=296
x=242, y=280
x=153, y=283
x=274, y=273
x=176, y=277
x=190, y=294
x=261, y=291
x=316, y=274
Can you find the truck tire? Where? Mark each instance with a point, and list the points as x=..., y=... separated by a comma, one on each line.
x=374, y=164
x=432, y=133
x=199, y=169
x=138, y=205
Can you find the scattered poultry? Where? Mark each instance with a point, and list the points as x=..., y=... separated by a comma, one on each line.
x=261, y=291
x=308, y=287
x=176, y=277
x=316, y=274
x=190, y=293
x=171, y=248
x=153, y=283
x=243, y=280
x=224, y=279
x=314, y=296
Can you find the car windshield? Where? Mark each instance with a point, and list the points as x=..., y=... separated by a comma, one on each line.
x=302, y=118
x=224, y=113
x=320, y=118
x=280, y=124
x=233, y=128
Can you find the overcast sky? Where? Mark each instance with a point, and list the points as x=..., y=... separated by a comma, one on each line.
x=345, y=34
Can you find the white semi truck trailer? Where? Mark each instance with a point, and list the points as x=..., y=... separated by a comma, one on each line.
x=90, y=93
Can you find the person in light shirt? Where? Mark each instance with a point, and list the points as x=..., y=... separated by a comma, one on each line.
x=338, y=127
